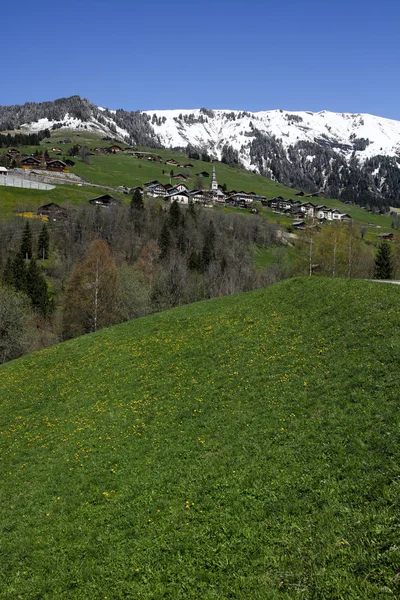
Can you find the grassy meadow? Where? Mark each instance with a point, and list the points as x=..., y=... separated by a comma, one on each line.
x=245, y=447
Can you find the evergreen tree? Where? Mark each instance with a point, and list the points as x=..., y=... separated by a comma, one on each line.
x=164, y=241
x=136, y=212
x=137, y=201
x=37, y=290
x=192, y=210
x=43, y=243
x=8, y=273
x=175, y=215
x=384, y=261
x=26, y=243
x=208, y=253
x=19, y=272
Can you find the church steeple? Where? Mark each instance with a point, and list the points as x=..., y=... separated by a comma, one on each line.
x=213, y=182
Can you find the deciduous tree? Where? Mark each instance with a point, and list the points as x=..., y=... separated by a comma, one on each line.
x=92, y=292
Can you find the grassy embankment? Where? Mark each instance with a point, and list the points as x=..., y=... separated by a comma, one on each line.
x=244, y=447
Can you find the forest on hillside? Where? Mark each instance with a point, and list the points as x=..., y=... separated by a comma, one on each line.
x=99, y=267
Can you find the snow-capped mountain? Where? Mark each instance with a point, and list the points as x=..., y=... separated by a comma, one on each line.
x=352, y=156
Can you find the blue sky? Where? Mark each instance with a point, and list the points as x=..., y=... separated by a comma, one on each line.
x=256, y=55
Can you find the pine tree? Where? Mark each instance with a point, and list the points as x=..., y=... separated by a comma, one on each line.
x=8, y=273
x=43, y=243
x=26, y=243
x=208, y=253
x=19, y=272
x=137, y=201
x=175, y=215
x=37, y=290
x=137, y=211
x=384, y=261
x=164, y=241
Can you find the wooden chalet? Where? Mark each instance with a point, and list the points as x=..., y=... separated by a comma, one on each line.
x=171, y=161
x=56, y=149
x=199, y=196
x=188, y=166
x=115, y=148
x=203, y=174
x=53, y=211
x=55, y=165
x=180, y=187
x=135, y=189
x=30, y=162
x=308, y=209
x=299, y=225
x=156, y=190
x=13, y=152
x=69, y=162
x=104, y=201
x=390, y=237
x=179, y=176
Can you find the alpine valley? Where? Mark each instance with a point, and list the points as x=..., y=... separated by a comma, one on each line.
x=354, y=157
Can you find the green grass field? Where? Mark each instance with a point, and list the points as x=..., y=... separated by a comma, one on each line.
x=244, y=447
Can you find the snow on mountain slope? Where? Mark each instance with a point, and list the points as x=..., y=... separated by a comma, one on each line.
x=70, y=122
x=355, y=157
x=339, y=131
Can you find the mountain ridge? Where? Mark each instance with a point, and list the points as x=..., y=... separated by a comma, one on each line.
x=352, y=156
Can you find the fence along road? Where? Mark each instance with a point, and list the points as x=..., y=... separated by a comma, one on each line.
x=25, y=183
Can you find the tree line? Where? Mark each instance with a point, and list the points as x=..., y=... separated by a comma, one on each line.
x=101, y=266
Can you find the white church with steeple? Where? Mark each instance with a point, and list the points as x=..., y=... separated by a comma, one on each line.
x=213, y=182
x=217, y=195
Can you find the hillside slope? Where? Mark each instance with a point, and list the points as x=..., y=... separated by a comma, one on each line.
x=245, y=447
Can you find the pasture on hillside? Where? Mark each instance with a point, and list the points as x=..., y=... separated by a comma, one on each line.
x=245, y=447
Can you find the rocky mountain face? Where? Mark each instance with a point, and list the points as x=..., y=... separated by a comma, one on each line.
x=354, y=157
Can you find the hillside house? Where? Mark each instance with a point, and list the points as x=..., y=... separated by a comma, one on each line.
x=386, y=236
x=56, y=149
x=181, y=197
x=180, y=187
x=156, y=190
x=55, y=165
x=199, y=196
x=323, y=213
x=30, y=162
x=172, y=162
x=115, y=148
x=104, y=201
x=54, y=212
x=188, y=166
x=299, y=225
x=203, y=174
x=69, y=162
x=135, y=189
x=308, y=209
x=338, y=216
x=180, y=176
